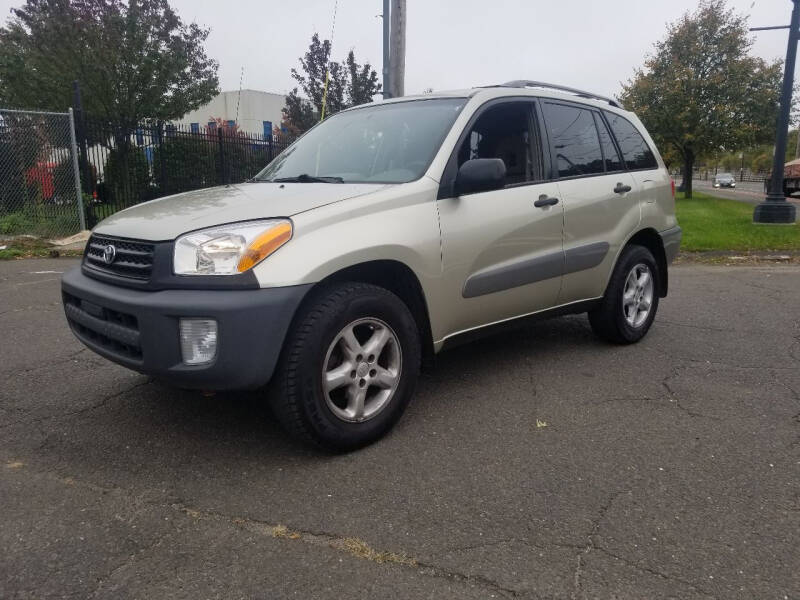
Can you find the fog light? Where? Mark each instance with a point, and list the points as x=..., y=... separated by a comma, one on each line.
x=198, y=341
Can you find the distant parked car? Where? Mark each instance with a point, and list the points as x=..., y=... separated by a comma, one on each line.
x=722, y=180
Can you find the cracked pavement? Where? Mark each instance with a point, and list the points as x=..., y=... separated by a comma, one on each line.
x=540, y=463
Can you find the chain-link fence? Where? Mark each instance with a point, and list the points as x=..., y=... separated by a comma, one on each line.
x=39, y=177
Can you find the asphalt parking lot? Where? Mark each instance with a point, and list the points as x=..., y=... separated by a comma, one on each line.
x=537, y=464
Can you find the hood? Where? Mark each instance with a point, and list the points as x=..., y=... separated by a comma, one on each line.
x=169, y=217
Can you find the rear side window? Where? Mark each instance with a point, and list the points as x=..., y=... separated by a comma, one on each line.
x=635, y=151
x=575, y=140
x=610, y=154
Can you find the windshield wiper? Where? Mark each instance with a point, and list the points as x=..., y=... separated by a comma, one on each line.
x=306, y=178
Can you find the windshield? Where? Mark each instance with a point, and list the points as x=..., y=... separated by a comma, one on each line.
x=386, y=143
x=724, y=176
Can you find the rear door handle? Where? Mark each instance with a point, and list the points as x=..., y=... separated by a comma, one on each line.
x=545, y=200
x=621, y=189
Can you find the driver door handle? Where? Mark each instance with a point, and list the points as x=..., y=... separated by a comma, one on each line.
x=545, y=200
x=621, y=189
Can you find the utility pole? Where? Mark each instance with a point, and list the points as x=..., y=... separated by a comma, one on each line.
x=387, y=89
x=397, y=58
x=775, y=208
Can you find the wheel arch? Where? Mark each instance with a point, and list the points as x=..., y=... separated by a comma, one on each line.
x=398, y=278
x=650, y=239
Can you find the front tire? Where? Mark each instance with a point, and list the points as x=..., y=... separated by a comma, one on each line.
x=348, y=368
x=630, y=303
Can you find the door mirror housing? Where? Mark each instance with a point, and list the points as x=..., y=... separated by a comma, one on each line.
x=480, y=175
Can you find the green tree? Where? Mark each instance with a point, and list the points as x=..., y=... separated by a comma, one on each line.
x=362, y=83
x=701, y=92
x=349, y=84
x=135, y=60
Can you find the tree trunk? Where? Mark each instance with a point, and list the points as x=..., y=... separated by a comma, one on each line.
x=688, y=168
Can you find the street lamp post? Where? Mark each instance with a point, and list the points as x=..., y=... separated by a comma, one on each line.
x=775, y=208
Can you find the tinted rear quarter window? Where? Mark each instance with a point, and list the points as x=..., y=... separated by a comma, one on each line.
x=575, y=140
x=610, y=154
x=635, y=151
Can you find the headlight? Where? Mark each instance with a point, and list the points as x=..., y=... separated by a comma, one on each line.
x=229, y=249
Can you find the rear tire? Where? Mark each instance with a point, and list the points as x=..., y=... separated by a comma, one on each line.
x=630, y=303
x=348, y=367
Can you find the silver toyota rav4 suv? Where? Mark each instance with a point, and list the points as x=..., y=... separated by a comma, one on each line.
x=384, y=234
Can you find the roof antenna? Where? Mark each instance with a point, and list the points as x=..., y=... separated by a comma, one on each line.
x=327, y=67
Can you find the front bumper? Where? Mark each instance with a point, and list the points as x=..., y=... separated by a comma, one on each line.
x=139, y=329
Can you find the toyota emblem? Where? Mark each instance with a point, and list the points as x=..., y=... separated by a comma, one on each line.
x=109, y=254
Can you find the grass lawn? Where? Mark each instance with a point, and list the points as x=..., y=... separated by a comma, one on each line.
x=24, y=247
x=718, y=224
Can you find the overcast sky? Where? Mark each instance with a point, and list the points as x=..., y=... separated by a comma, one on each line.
x=457, y=43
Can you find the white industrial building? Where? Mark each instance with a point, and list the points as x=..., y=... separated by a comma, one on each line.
x=258, y=111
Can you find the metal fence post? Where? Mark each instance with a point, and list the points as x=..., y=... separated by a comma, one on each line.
x=81, y=135
x=76, y=169
x=161, y=163
x=222, y=169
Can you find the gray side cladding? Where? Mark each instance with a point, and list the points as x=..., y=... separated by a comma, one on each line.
x=531, y=270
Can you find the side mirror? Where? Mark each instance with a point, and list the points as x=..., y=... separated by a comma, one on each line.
x=480, y=175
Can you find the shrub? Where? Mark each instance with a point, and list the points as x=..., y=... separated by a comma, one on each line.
x=189, y=164
x=127, y=177
x=16, y=224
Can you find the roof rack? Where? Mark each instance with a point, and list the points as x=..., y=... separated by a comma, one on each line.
x=523, y=83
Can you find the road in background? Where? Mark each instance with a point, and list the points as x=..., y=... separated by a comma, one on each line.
x=746, y=191
x=540, y=463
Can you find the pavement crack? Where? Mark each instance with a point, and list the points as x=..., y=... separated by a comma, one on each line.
x=130, y=560
x=590, y=543
x=349, y=545
x=690, y=326
x=490, y=584
x=674, y=399
x=651, y=571
x=794, y=349
x=47, y=365
x=102, y=402
x=513, y=540
x=105, y=400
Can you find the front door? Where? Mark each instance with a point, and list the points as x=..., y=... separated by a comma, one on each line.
x=502, y=254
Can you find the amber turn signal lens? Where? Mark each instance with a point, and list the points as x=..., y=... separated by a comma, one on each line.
x=264, y=245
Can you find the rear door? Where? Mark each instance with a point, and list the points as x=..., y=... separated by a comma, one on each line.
x=501, y=254
x=600, y=197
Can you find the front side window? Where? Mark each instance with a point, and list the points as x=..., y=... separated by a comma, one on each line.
x=385, y=143
x=574, y=137
x=635, y=151
x=503, y=131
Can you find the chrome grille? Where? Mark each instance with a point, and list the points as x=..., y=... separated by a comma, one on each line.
x=131, y=259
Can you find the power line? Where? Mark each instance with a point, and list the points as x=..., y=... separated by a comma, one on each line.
x=239, y=97
x=328, y=66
